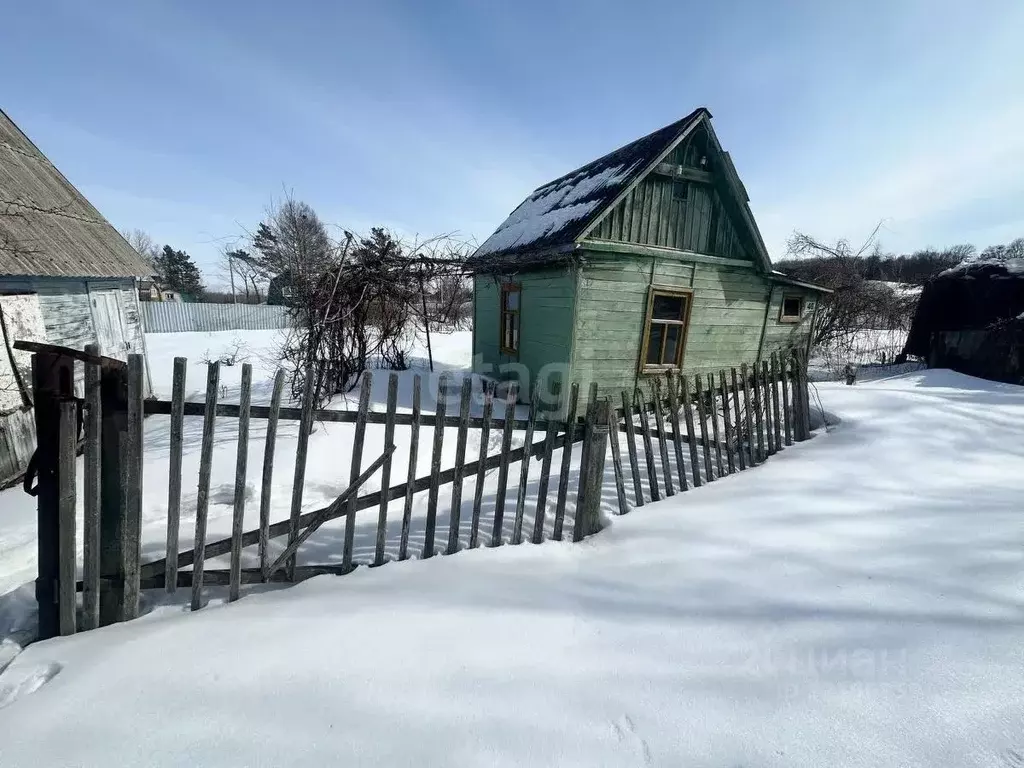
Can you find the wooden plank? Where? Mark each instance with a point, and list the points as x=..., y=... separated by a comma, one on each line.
x=506, y=444
x=478, y=491
x=266, y=485
x=414, y=446
x=301, y=451
x=370, y=500
x=620, y=487
x=460, y=462
x=131, y=472
x=113, y=431
x=659, y=420
x=761, y=371
x=563, y=475
x=241, y=469
x=66, y=507
x=203, y=495
x=702, y=416
x=430, y=526
x=715, y=432
x=805, y=396
x=524, y=470
x=357, y=461
x=776, y=418
x=645, y=431
x=634, y=466
x=723, y=391
x=748, y=415
x=677, y=435
x=691, y=432
x=91, y=488
x=587, y=419
x=786, y=405
x=741, y=455
x=587, y=518
x=321, y=516
x=758, y=412
x=385, y=474
x=174, y=481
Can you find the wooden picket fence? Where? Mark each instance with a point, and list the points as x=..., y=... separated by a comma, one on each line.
x=755, y=408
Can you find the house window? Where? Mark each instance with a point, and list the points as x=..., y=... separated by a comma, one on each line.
x=681, y=191
x=668, y=313
x=510, y=294
x=792, y=309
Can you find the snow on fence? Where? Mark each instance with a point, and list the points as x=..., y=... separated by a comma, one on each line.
x=724, y=426
x=178, y=317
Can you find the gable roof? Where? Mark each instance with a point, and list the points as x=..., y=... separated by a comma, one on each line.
x=47, y=227
x=559, y=212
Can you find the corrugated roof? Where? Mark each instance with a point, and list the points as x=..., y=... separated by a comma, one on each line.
x=558, y=212
x=46, y=226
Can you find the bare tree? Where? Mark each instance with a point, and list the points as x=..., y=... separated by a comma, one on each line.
x=143, y=244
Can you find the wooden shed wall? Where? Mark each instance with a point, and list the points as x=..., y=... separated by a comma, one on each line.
x=546, y=326
x=650, y=215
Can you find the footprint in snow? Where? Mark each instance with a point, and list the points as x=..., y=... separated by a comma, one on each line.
x=625, y=730
x=15, y=683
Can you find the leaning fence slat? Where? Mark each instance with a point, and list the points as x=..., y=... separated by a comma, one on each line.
x=550, y=432
x=174, y=482
x=634, y=466
x=66, y=504
x=430, y=525
x=588, y=418
x=268, y=471
x=645, y=431
x=771, y=414
x=524, y=470
x=776, y=420
x=741, y=453
x=478, y=491
x=132, y=476
x=724, y=392
x=758, y=413
x=241, y=468
x=748, y=416
x=702, y=416
x=691, y=433
x=613, y=437
x=563, y=475
x=357, y=461
x=784, y=379
x=713, y=415
x=203, y=495
x=460, y=466
x=414, y=447
x=299, y=478
x=659, y=421
x=385, y=473
x=506, y=443
x=677, y=436
x=91, y=503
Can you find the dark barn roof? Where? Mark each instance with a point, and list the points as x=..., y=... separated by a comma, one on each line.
x=971, y=296
x=557, y=213
x=47, y=227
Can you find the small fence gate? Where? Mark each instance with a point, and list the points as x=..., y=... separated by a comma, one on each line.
x=725, y=427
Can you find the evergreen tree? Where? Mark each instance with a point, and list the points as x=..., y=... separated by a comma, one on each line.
x=177, y=271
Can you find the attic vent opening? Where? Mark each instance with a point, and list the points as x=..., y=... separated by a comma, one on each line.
x=681, y=191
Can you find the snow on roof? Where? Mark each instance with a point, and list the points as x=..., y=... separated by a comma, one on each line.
x=558, y=212
x=988, y=267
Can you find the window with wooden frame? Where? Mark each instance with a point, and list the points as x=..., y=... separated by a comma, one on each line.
x=792, y=309
x=668, y=317
x=510, y=295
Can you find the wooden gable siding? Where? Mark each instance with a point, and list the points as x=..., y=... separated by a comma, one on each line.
x=547, y=302
x=649, y=215
x=779, y=336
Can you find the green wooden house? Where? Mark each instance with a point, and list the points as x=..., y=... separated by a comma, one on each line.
x=645, y=259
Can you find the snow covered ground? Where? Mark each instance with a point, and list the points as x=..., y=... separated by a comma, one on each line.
x=855, y=601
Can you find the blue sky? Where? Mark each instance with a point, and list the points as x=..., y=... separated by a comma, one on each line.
x=187, y=119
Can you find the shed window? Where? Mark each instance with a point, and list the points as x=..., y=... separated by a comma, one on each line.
x=510, y=295
x=668, y=312
x=792, y=309
x=681, y=190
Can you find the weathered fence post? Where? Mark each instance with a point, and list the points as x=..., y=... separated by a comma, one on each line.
x=52, y=377
x=91, y=487
x=131, y=480
x=588, y=507
x=66, y=503
x=174, y=482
